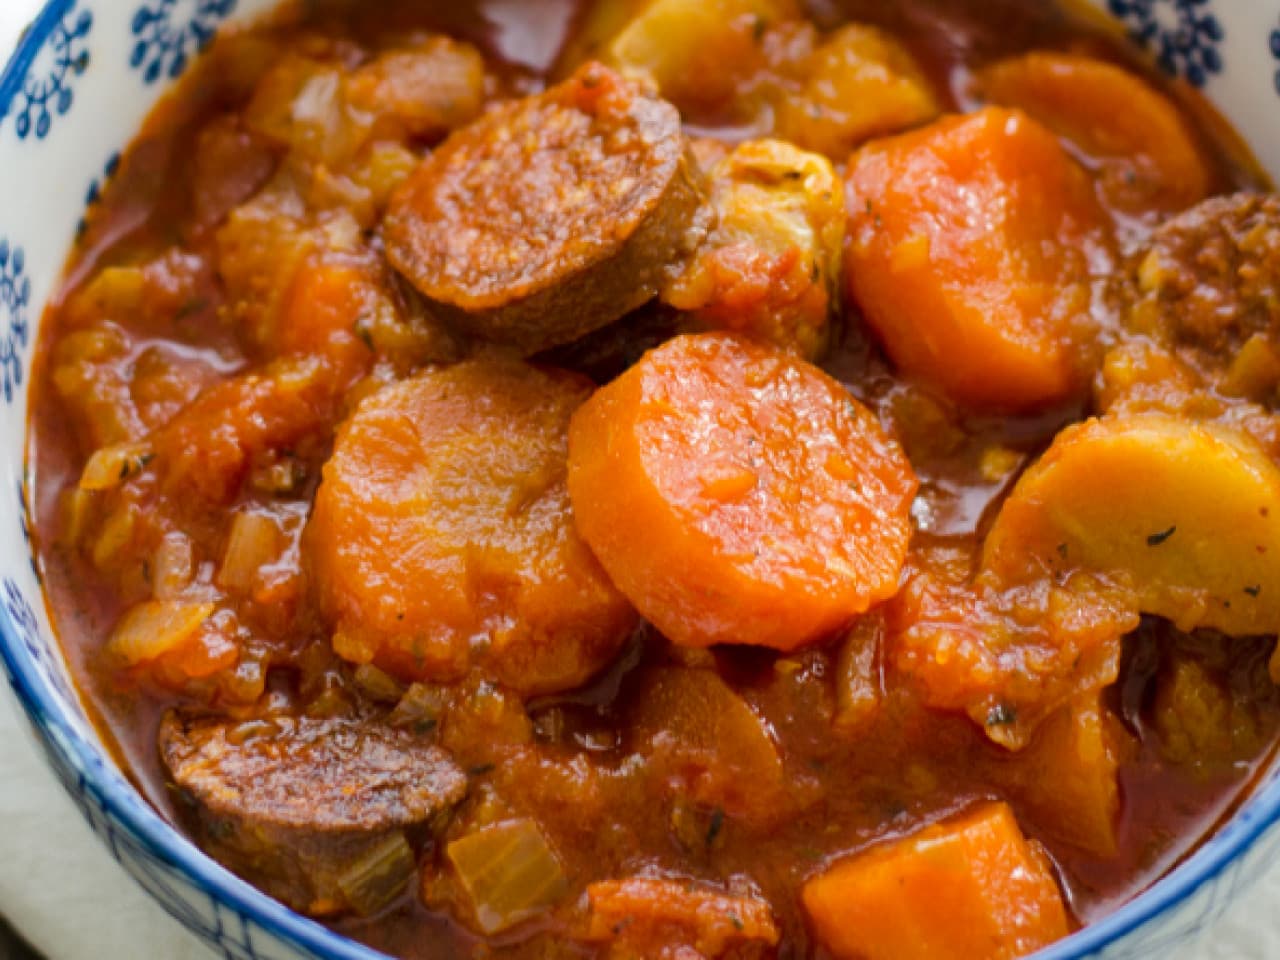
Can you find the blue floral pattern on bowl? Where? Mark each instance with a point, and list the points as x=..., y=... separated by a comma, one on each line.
x=15, y=297
x=45, y=90
x=1275, y=53
x=154, y=40
x=1184, y=35
x=169, y=32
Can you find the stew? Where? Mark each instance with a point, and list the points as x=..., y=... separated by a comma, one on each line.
x=659, y=478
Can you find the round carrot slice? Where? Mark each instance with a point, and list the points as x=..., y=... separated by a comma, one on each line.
x=442, y=536
x=739, y=495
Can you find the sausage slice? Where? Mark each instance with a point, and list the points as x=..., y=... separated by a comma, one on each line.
x=553, y=215
x=302, y=806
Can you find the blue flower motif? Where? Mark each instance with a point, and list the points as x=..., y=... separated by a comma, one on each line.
x=45, y=89
x=15, y=297
x=94, y=191
x=1275, y=52
x=170, y=31
x=23, y=615
x=1183, y=34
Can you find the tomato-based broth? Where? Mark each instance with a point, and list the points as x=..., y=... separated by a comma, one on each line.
x=664, y=479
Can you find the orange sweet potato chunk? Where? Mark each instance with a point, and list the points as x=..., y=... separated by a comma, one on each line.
x=1149, y=159
x=972, y=888
x=971, y=245
x=737, y=494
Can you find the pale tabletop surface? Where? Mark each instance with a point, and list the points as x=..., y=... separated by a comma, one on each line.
x=62, y=891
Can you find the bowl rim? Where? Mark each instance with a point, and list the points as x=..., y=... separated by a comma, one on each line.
x=122, y=803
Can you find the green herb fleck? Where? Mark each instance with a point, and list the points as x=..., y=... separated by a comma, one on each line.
x=717, y=824
x=1254, y=590
x=480, y=769
x=191, y=308
x=1155, y=539
x=758, y=27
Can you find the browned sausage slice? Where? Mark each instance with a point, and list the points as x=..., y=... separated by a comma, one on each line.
x=311, y=810
x=551, y=216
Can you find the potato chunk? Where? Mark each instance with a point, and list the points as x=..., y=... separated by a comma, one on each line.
x=697, y=50
x=771, y=265
x=1188, y=513
x=968, y=889
x=1068, y=775
x=442, y=534
x=860, y=83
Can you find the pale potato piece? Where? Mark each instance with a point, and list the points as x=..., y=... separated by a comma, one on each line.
x=697, y=50
x=1187, y=513
x=859, y=83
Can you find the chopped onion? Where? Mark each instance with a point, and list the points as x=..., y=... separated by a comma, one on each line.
x=508, y=871
x=254, y=542
x=156, y=627
x=172, y=566
x=74, y=507
x=420, y=708
x=378, y=685
x=116, y=533
x=379, y=876
x=111, y=466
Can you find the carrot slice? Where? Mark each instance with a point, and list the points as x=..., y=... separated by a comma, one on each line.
x=441, y=537
x=1149, y=157
x=971, y=246
x=967, y=889
x=737, y=494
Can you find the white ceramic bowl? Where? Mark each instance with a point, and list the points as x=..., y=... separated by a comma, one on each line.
x=83, y=78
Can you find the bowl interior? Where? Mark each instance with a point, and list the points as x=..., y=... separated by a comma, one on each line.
x=84, y=77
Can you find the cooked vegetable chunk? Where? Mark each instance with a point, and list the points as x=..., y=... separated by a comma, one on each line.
x=705, y=743
x=859, y=83
x=643, y=917
x=311, y=810
x=770, y=267
x=1007, y=655
x=971, y=246
x=739, y=495
x=970, y=889
x=551, y=216
x=508, y=872
x=698, y=51
x=442, y=535
x=1150, y=159
x=425, y=90
x=1201, y=720
x=1187, y=515
x=1068, y=775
